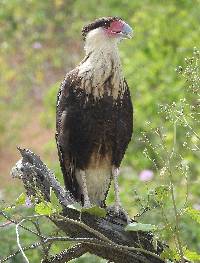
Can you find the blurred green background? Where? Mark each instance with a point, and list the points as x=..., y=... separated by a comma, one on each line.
x=41, y=40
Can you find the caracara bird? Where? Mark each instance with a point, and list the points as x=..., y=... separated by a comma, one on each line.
x=95, y=115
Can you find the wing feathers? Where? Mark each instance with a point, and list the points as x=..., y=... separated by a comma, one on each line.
x=66, y=158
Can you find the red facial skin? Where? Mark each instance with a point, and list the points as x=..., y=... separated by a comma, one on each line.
x=115, y=28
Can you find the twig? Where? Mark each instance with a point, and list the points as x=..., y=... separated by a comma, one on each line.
x=168, y=158
x=174, y=142
x=67, y=254
x=86, y=227
x=6, y=224
x=44, y=248
x=33, y=246
x=176, y=218
x=24, y=227
x=18, y=242
x=105, y=239
x=49, y=240
x=192, y=130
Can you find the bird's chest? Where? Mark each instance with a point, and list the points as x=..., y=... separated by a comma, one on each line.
x=94, y=121
x=101, y=116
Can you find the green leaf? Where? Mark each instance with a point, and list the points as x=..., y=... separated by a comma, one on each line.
x=58, y=246
x=95, y=210
x=21, y=200
x=44, y=208
x=193, y=213
x=140, y=227
x=170, y=254
x=75, y=206
x=55, y=202
x=8, y=208
x=191, y=255
x=161, y=193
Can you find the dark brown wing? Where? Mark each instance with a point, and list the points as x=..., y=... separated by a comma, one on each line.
x=124, y=127
x=63, y=119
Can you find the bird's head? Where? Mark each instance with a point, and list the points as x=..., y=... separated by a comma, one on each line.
x=107, y=28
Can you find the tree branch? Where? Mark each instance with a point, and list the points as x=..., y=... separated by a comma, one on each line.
x=67, y=254
x=49, y=240
x=112, y=242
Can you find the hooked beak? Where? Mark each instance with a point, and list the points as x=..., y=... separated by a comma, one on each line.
x=127, y=31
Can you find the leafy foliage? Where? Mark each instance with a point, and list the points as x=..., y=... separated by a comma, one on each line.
x=44, y=208
x=95, y=210
x=140, y=227
x=37, y=47
x=193, y=256
x=195, y=214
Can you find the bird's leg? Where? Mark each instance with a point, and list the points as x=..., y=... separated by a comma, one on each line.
x=115, y=174
x=84, y=188
x=117, y=206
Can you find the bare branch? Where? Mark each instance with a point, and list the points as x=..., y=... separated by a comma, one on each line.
x=104, y=237
x=45, y=248
x=6, y=224
x=49, y=240
x=18, y=242
x=67, y=254
x=19, y=224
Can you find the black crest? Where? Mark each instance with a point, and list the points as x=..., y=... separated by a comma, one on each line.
x=100, y=22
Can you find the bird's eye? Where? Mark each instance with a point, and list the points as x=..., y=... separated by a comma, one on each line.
x=106, y=26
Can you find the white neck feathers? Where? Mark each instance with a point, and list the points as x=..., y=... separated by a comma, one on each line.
x=102, y=63
x=97, y=39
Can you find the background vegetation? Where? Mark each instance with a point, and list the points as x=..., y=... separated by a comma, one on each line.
x=41, y=41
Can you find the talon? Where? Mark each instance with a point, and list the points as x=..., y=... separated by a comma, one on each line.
x=119, y=214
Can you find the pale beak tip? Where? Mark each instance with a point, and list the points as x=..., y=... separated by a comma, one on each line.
x=127, y=31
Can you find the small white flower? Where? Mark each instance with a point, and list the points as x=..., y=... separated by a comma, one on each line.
x=162, y=171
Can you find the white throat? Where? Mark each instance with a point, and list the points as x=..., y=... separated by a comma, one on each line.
x=97, y=39
x=101, y=63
